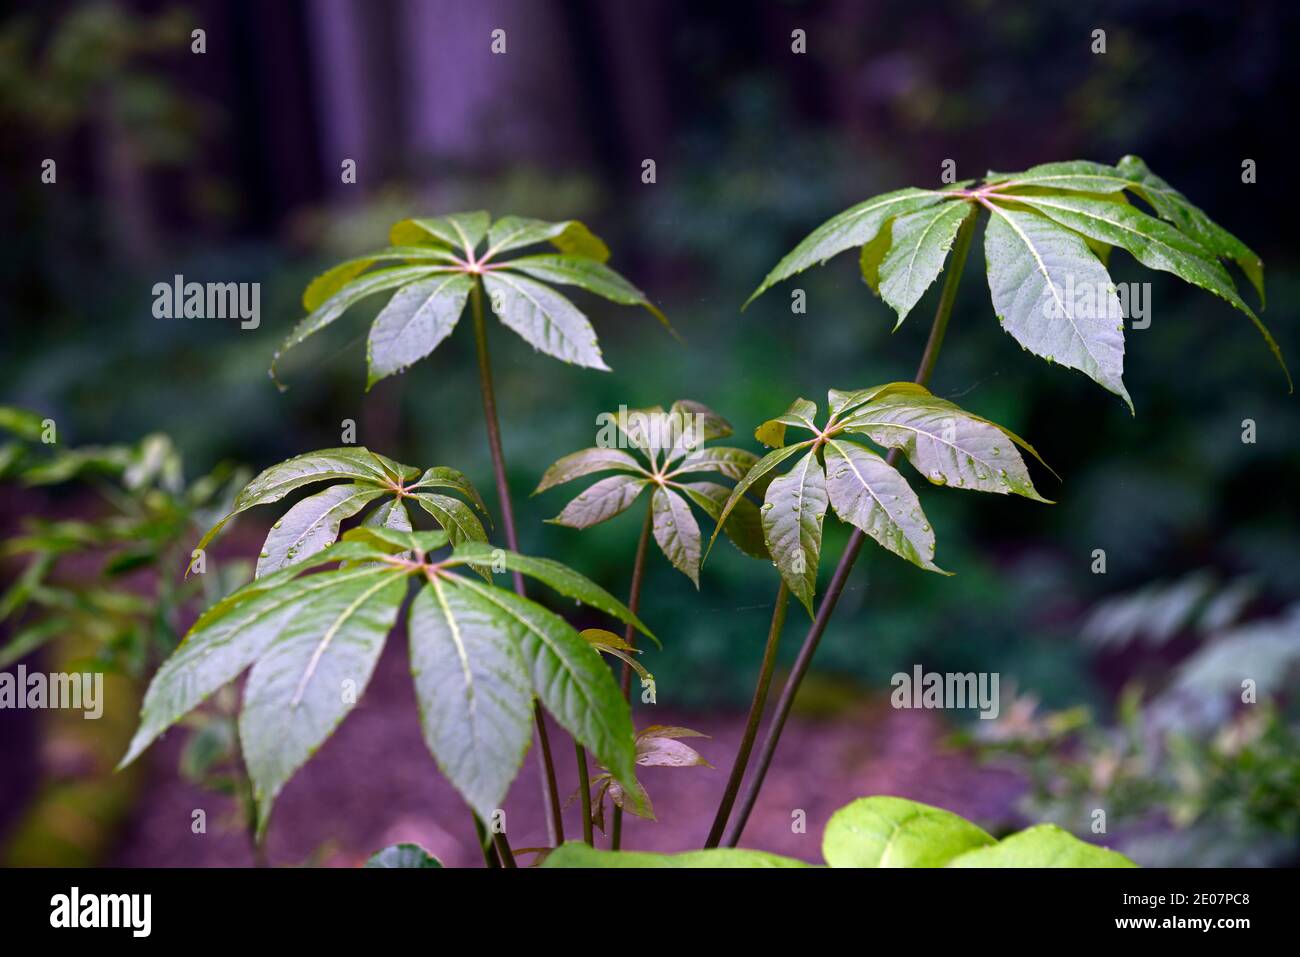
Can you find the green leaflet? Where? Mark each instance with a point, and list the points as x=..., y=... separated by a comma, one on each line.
x=1173, y=206
x=755, y=474
x=578, y=854
x=945, y=443
x=473, y=690
x=312, y=525
x=461, y=231
x=440, y=476
x=601, y=502
x=893, y=832
x=1078, y=175
x=744, y=525
x=453, y=515
x=570, y=679
x=792, y=515
x=920, y=245
x=677, y=532
x=418, y=317
x=349, y=295
x=310, y=675
x=586, y=462
x=733, y=463
x=853, y=227
x=544, y=319
x=1152, y=242
x=802, y=413
x=570, y=237
x=840, y=403
x=868, y=492
x=320, y=289
x=1054, y=296
x=589, y=274
x=1044, y=845
x=557, y=576
x=403, y=855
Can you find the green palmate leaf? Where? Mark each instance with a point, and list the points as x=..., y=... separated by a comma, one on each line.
x=945, y=443
x=589, y=274
x=440, y=476
x=733, y=463
x=744, y=525
x=893, y=832
x=320, y=289
x=312, y=525
x=544, y=319
x=578, y=854
x=569, y=237
x=403, y=855
x=690, y=425
x=349, y=295
x=792, y=515
x=570, y=679
x=586, y=462
x=677, y=532
x=418, y=317
x=461, y=231
x=1054, y=296
x=851, y=228
x=920, y=244
x=457, y=518
x=555, y=575
x=761, y=468
x=868, y=492
x=388, y=540
x=474, y=691
x=310, y=676
x=1173, y=206
x=1152, y=242
x=840, y=403
x=391, y=515
x=227, y=638
x=602, y=501
x=1045, y=845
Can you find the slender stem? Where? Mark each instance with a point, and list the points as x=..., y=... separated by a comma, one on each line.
x=484, y=845
x=550, y=789
x=633, y=604
x=503, y=849
x=584, y=791
x=961, y=248
x=755, y=716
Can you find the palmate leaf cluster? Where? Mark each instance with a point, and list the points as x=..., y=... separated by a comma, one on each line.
x=1046, y=246
x=945, y=443
x=434, y=265
x=881, y=832
x=312, y=633
x=670, y=447
x=366, y=477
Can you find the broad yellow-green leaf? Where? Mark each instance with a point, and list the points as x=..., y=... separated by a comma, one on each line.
x=868, y=492
x=473, y=690
x=544, y=319
x=440, y=476
x=801, y=414
x=894, y=832
x=332, y=280
x=919, y=247
x=418, y=317
x=578, y=854
x=1044, y=845
x=1054, y=296
x=840, y=403
x=677, y=532
x=589, y=274
x=311, y=675
x=602, y=501
x=793, y=511
x=453, y=515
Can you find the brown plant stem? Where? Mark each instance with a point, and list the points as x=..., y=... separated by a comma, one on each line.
x=961, y=248
x=550, y=789
x=755, y=716
x=584, y=792
x=629, y=635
